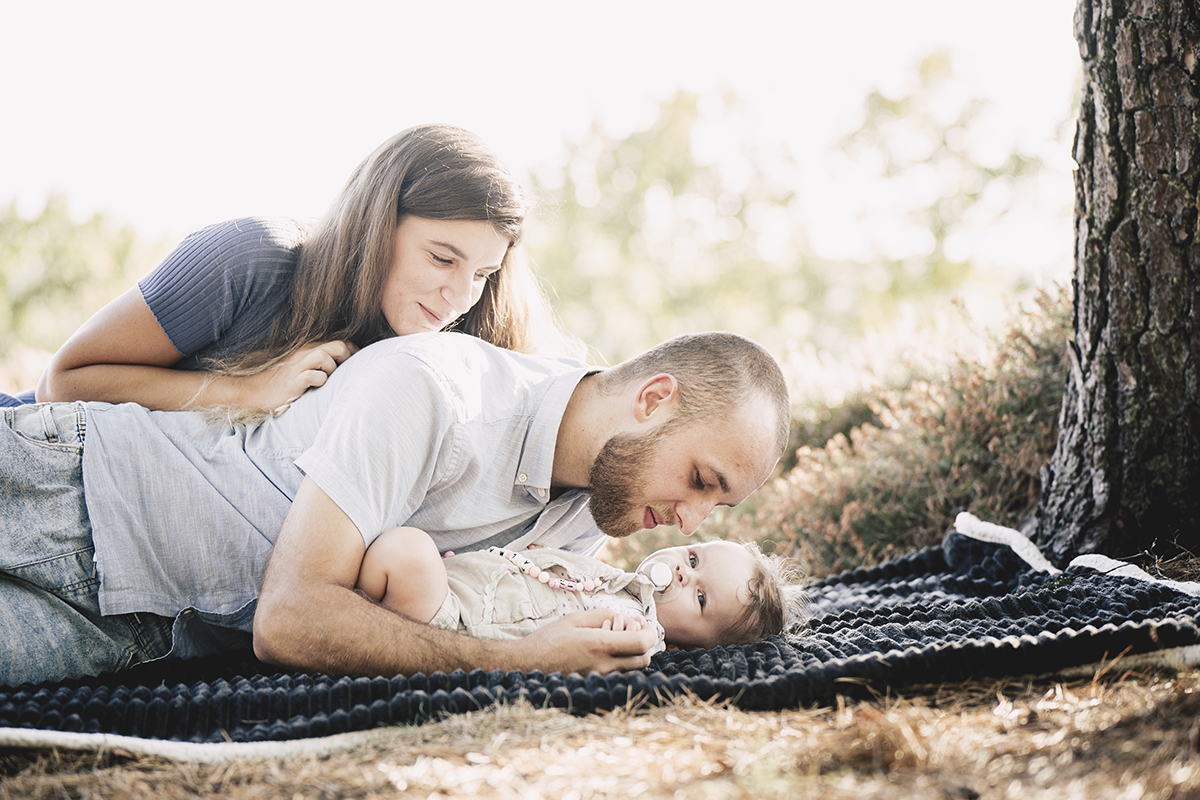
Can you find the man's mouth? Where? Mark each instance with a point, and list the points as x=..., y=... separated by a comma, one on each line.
x=650, y=519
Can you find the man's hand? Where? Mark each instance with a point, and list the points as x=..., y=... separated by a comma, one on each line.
x=584, y=642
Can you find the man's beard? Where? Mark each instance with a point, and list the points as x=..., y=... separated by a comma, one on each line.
x=619, y=474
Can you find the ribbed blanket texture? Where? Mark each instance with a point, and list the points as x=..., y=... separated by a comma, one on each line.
x=967, y=609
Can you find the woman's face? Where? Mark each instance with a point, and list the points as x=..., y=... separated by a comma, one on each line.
x=439, y=269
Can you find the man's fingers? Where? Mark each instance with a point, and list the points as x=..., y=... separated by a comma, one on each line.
x=634, y=662
x=591, y=640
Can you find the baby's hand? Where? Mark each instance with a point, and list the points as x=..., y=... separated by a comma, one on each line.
x=623, y=622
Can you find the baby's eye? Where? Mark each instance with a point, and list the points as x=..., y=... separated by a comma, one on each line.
x=702, y=599
x=692, y=560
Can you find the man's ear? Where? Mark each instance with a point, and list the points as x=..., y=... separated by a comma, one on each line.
x=656, y=398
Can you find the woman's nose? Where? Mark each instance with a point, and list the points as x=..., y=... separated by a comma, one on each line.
x=458, y=291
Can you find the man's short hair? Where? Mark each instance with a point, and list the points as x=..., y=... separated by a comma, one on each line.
x=717, y=372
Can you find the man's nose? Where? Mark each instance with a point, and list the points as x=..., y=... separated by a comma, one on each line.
x=690, y=515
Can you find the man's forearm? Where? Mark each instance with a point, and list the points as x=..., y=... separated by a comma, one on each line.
x=339, y=631
x=310, y=617
x=361, y=638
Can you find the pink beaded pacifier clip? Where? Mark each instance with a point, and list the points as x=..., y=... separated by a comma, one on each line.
x=544, y=575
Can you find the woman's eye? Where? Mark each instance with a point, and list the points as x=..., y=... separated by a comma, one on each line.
x=445, y=262
x=699, y=482
x=483, y=275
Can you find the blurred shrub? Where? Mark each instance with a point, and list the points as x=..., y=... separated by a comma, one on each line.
x=972, y=435
x=55, y=272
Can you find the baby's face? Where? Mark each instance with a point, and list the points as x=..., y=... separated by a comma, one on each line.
x=708, y=594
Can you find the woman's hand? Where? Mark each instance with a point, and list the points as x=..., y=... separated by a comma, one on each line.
x=121, y=355
x=307, y=367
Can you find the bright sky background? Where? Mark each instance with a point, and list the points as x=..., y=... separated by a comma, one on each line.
x=171, y=116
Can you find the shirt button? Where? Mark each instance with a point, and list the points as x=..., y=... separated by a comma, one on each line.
x=541, y=492
x=522, y=477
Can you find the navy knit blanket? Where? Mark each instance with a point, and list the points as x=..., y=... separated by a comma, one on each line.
x=971, y=608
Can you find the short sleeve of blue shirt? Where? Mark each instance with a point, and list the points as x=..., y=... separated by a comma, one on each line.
x=218, y=292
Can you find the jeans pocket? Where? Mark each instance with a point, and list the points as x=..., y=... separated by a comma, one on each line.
x=57, y=426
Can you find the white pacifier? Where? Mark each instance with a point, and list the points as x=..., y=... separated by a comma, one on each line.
x=659, y=575
x=662, y=577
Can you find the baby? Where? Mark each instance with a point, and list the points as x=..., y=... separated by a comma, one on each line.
x=707, y=595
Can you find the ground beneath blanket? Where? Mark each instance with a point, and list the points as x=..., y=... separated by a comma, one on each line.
x=1116, y=735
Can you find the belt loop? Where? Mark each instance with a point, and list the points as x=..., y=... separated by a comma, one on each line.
x=51, y=430
x=81, y=420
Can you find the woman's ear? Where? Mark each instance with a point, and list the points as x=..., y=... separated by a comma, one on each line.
x=656, y=396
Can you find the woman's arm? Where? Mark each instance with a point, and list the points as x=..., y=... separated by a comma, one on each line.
x=122, y=355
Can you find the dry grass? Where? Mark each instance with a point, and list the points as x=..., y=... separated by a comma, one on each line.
x=1116, y=736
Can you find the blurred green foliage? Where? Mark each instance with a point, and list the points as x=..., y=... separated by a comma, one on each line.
x=55, y=272
x=641, y=238
x=645, y=243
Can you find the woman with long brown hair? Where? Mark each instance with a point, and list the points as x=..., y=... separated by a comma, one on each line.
x=250, y=313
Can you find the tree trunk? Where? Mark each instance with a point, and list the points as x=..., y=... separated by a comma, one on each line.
x=1125, y=476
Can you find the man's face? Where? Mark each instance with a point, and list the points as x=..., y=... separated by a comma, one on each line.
x=676, y=473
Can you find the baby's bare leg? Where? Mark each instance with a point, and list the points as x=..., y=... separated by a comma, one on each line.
x=402, y=570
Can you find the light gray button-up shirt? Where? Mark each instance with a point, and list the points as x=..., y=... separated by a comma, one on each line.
x=438, y=431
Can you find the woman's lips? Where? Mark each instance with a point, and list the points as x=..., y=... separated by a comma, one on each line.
x=434, y=318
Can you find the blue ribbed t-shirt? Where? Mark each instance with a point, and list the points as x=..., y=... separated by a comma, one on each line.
x=218, y=292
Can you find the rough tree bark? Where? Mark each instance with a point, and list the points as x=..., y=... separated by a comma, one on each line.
x=1125, y=477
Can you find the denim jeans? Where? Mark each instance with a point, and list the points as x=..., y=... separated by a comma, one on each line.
x=50, y=622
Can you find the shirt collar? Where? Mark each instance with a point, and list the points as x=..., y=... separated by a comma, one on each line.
x=534, y=471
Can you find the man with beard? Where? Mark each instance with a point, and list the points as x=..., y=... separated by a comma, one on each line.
x=170, y=535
